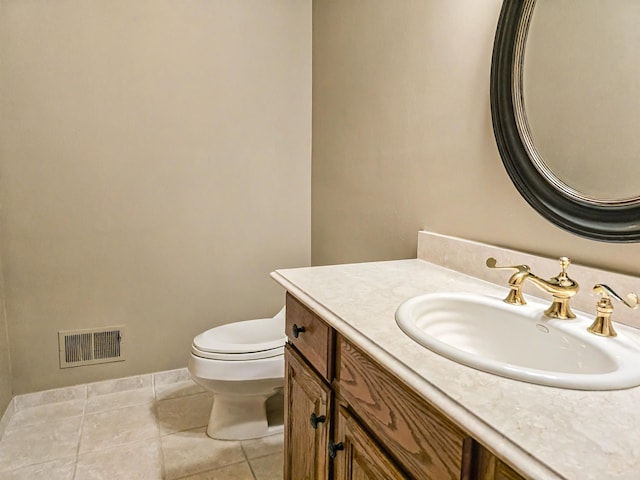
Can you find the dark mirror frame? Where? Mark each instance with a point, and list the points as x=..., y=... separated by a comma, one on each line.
x=609, y=223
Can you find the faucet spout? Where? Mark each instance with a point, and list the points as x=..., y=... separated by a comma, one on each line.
x=561, y=288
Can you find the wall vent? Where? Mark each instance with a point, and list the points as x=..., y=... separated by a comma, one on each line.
x=91, y=346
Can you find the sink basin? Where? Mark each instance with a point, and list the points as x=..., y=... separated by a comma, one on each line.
x=519, y=342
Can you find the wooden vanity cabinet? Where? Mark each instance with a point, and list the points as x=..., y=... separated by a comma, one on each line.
x=312, y=337
x=359, y=456
x=308, y=416
x=426, y=443
x=349, y=418
x=307, y=419
x=490, y=467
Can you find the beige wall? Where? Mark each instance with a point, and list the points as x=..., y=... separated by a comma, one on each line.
x=402, y=137
x=6, y=388
x=155, y=167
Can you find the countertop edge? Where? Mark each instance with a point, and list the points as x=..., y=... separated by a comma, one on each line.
x=492, y=439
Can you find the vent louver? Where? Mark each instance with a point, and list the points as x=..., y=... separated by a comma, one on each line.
x=91, y=346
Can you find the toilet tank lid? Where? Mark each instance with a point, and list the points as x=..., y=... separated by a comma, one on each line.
x=242, y=337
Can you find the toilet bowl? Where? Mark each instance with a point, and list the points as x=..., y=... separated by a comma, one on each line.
x=242, y=364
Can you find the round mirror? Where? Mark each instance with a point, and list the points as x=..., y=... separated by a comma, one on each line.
x=565, y=103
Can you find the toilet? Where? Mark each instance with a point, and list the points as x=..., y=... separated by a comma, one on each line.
x=242, y=364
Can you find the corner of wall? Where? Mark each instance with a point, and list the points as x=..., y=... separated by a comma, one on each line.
x=6, y=375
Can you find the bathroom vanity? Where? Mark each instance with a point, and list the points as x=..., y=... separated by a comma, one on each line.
x=345, y=412
x=364, y=401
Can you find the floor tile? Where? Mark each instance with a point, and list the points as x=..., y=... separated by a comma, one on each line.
x=127, y=398
x=268, y=468
x=178, y=389
x=119, y=385
x=184, y=413
x=78, y=392
x=118, y=427
x=55, y=470
x=7, y=416
x=263, y=446
x=171, y=376
x=186, y=453
x=169, y=380
x=39, y=443
x=175, y=383
x=239, y=471
x=46, y=413
x=139, y=460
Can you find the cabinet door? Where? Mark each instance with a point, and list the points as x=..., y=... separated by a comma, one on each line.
x=426, y=443
x=490, y=467
x=307, y=420
x=357, y=455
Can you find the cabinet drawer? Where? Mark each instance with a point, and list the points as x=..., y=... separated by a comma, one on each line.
x=311, y=336
x=413, y=432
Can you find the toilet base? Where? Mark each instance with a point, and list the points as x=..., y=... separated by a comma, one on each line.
x=240, y=418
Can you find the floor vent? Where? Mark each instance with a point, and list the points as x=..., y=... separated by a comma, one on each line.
x=91, y=346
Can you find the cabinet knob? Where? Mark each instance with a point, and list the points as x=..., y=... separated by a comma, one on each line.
x=297, y=330
x=316, y=419
x=334, y=448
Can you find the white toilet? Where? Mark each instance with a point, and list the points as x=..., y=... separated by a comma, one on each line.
x=242, y=363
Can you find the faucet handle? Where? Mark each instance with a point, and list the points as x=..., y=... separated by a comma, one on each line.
x=606, y=291
x=563, y=279
x=515, y=282
x=602, y=324
x=564, y=263
x=492, y=263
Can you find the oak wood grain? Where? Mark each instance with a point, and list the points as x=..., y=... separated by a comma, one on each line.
x=316, y=343
x=306, y=448
x=362, y=458
x=490, y=467
x=427, y=444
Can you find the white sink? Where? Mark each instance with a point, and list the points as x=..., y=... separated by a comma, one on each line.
x=519, y=342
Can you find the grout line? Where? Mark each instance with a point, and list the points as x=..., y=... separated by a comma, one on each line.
x=20, y=399
x=191, y=429
x=84, y=411
x=121, y=407
x=119, y=445
x=260, y=456
x=163, y=469
x=184, y=396
x=22, y=467
x=251, y=469
x=246, y=457
x=43, y=422
x=216, y=469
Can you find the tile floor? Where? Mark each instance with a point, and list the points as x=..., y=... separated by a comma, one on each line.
x=144, y=427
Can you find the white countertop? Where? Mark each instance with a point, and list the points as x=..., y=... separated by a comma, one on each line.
x=544, y=432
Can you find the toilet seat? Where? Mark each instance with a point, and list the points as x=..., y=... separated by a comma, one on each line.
x=273, y=352
x=247, y=340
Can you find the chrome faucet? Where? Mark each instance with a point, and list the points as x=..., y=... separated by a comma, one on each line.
x=561, y=287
